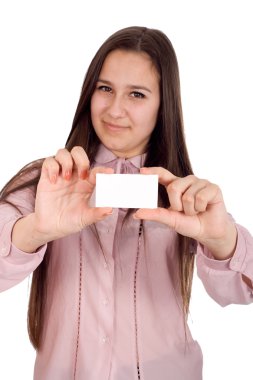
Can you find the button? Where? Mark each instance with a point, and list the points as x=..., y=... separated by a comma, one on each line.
x=105, y=339
x=3, y=251
x=105, y=301
x=237, y=266
x=234, y=266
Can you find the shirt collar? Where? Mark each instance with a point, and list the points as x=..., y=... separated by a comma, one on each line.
x=105, y=156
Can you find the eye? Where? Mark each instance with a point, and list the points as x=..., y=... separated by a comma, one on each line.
x=137, y=94
x=104, y=88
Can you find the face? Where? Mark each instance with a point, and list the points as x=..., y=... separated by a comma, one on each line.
x=125, y=103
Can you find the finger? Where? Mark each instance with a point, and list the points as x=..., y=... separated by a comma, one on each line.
x=50, y=169
x=94, y=215
x=157, y=215
x=193, y=199
x=81, y=161
x=98, y=169
x=63, y=157
x=165, y=177
x=178, y=221
x=176, y=189
x=175, y=186
x=208, y=195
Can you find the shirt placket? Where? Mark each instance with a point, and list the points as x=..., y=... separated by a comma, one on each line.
x=106, y=231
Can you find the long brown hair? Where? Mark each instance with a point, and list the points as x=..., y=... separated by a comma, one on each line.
x=166, y=148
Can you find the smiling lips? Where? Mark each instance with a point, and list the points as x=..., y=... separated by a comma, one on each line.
x=114, y=128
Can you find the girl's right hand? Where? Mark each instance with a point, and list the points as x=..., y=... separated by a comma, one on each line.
x=63, y=193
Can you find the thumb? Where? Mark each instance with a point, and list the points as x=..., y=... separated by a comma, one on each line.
x=93, y=215
x=177, y=220
x=159, y=214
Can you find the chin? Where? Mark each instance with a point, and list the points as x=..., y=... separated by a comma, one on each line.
x=114, y=147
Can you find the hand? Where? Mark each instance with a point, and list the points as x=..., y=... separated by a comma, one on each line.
x=63, y=193
x=197, y=210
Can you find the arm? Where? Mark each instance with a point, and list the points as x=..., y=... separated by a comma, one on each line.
x=61, y=208
x=15, y=264
x=197, y=210
x=230, y=280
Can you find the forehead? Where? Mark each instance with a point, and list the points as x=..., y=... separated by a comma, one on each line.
x=129, y=63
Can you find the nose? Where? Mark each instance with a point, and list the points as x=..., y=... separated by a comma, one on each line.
x=116, y=108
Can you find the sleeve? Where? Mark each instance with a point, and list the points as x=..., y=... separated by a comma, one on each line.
x=16, y=265
x=223, y=279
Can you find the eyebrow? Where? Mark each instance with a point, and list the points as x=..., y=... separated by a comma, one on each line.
x=132, y=86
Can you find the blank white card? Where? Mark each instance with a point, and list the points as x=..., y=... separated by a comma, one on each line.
x=126, y=190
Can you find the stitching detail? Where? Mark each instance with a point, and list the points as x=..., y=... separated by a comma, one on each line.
x=79, y=303
x=135, y=300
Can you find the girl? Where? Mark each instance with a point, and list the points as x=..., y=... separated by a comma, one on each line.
x=111, y=287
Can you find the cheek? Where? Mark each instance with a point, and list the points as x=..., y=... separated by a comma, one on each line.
x=97, y=105
x=154, y=115
x=148, y=119
x=92, y=106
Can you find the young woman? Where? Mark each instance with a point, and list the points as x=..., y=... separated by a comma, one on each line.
x=111, y=287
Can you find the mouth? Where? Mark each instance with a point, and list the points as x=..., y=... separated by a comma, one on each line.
x=114, y=127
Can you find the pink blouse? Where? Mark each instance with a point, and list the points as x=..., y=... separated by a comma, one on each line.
x=114, y=309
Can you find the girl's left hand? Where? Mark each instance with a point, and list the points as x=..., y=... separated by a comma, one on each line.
x=197, y=210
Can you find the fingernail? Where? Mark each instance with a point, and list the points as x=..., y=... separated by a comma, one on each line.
x=83, y=174
x=67, y=175
x=53, y=178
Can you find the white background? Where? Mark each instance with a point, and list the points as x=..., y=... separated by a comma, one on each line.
x=45, y=50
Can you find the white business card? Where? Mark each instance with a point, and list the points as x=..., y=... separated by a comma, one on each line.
x=126, y=190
